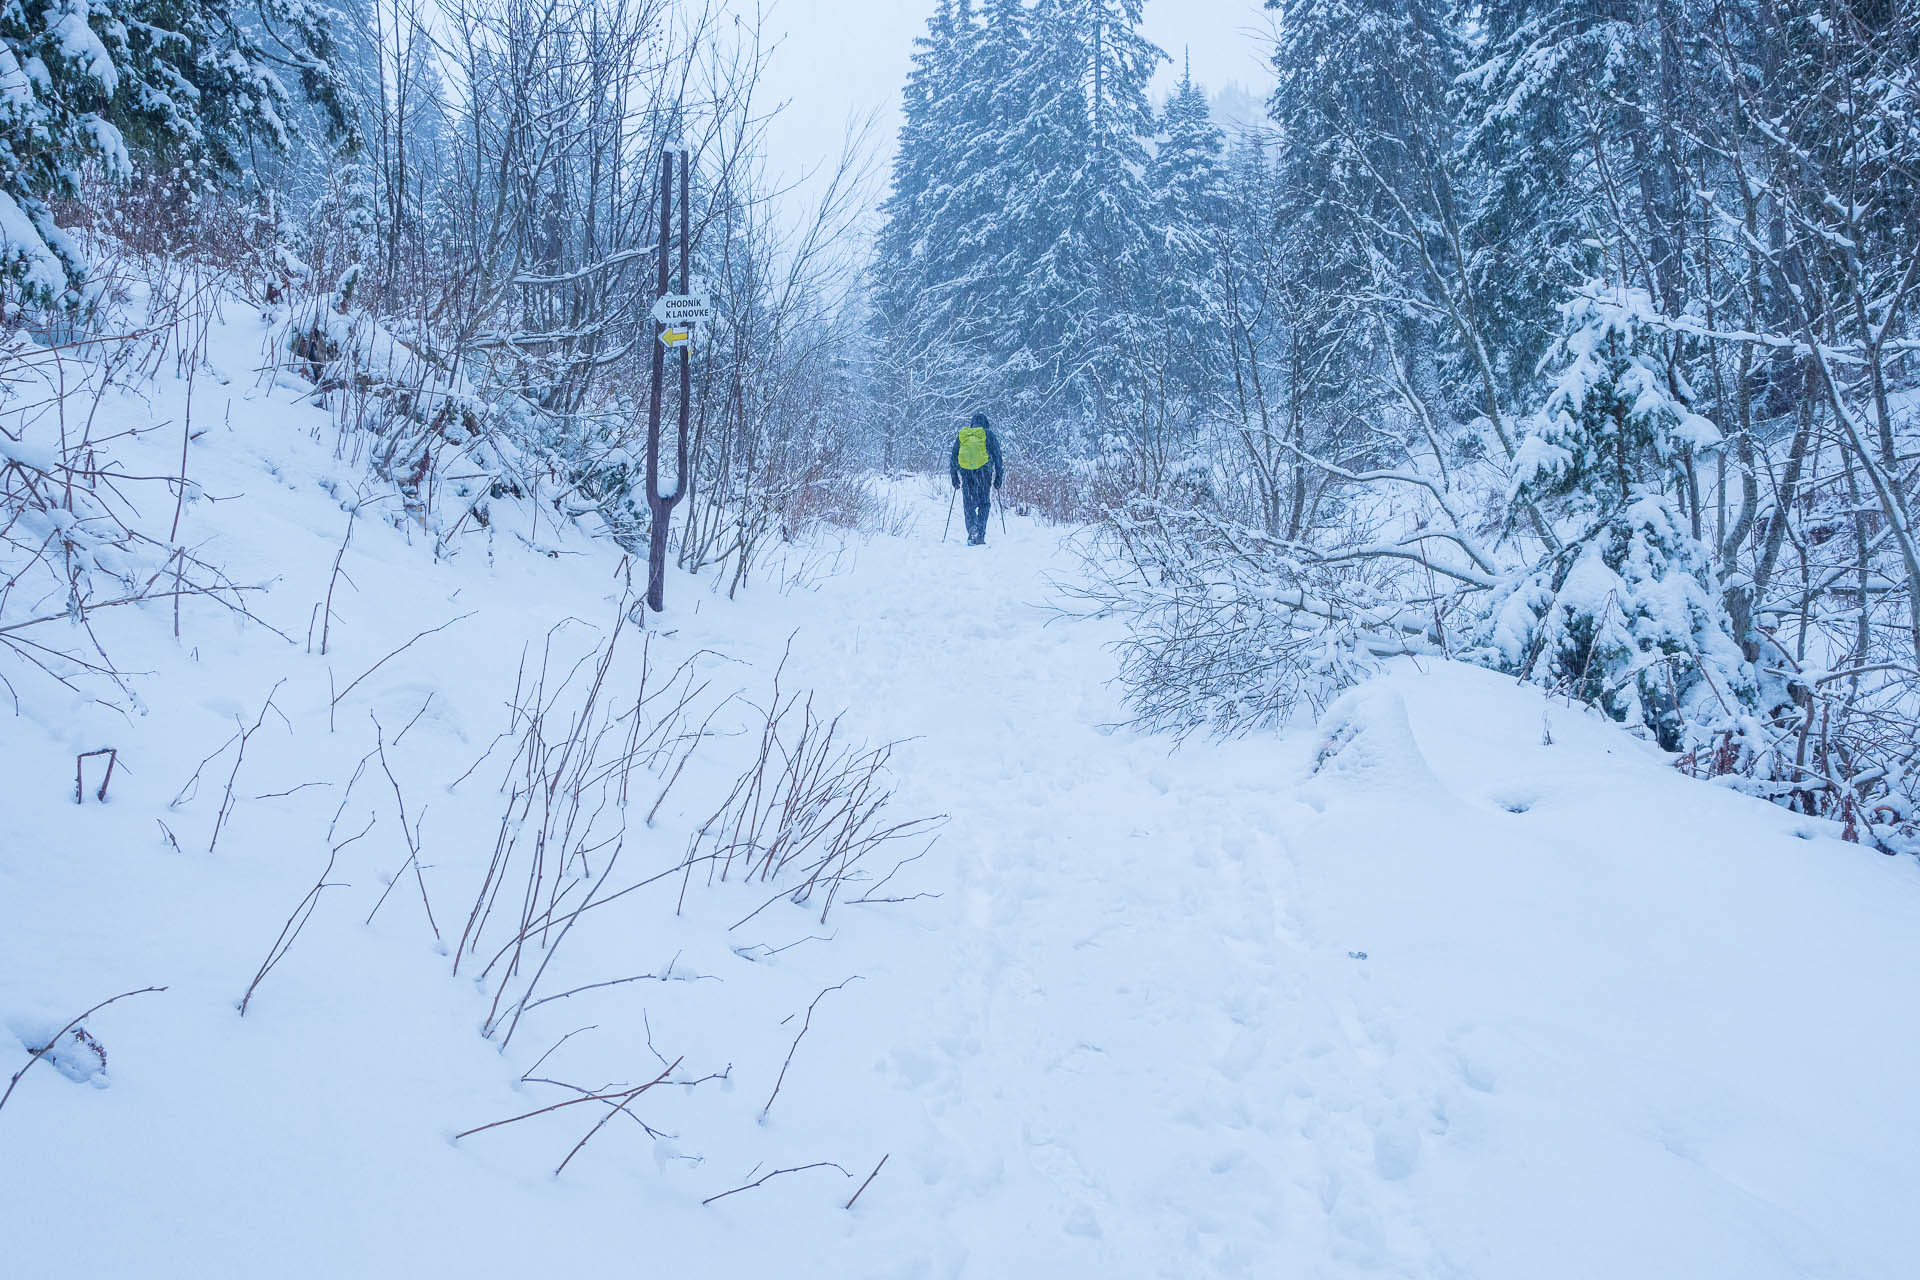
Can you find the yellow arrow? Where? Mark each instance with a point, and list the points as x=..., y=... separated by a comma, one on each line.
x=677, y=337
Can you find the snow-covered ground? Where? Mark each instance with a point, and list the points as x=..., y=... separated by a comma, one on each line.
x=1461, y=983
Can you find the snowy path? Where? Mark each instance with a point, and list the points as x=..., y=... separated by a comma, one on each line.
x=1146, y=1049
x=1097, y=1055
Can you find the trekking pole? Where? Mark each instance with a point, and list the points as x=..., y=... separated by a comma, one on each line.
x=949, y=526
x=1003, y=517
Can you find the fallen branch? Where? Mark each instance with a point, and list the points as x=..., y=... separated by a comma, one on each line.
x=191, y=789
x=625, y=1102
x=619, y=1100
x=665, y=975
x=868, y=896
x=570, y=1102
x=768, y=953
x=411, y=835
x=226, y=800
x=556, y=1046
x=326, y=623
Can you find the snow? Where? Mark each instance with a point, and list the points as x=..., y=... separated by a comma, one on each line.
x=81, y=47
x=1609, y=1021
x=16, y=87
x=70, y=1051
x=106, y=142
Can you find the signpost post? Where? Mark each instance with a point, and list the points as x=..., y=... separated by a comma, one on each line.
x=679, y=316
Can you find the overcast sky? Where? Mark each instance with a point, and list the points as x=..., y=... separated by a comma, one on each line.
x=840, y=58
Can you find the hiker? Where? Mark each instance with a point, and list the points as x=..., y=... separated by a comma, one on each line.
x=976, y=460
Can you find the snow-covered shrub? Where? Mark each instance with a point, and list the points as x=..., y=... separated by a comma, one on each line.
x=1116, y=471
x=776, y=481
x=1050, y=494
x=74, y=1052
x=77, y=533
x=331, y=235
x=1626, y=613
x=452, y=444
x=447, y=447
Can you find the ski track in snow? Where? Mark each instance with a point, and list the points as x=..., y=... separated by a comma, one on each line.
x=1609, y=1022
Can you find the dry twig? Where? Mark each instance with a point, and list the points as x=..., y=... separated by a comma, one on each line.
x=870, y=1177
x=762, y=1181
x=796, y=1042
x=47, y=1048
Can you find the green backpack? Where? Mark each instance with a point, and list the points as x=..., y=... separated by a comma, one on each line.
x=973, y=448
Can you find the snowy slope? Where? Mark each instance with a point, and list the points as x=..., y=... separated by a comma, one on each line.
x=1460, y=983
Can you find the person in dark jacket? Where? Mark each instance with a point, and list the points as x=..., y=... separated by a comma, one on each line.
x=976, y=470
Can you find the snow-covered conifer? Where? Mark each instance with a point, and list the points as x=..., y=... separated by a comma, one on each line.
x=1188, y=184
x=1626, y=613
x=61, y=66
x=1077, y=210
x=183, y=89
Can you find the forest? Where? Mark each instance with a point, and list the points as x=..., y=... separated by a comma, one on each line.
x=1571, y=338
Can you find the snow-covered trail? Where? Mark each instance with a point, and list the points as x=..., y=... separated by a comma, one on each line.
x=1108, y=951
x=1491, y=992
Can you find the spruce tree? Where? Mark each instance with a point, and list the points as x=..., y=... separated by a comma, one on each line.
x=917, y=164
x=1528, y=112
x=1189, y=190
x=1626, y=613
x=180, y=88
x=1017, y=249
x=965, y=237
x=1120, y=216
x=1077, y=214
x=1048, y=259
x=60, y=67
